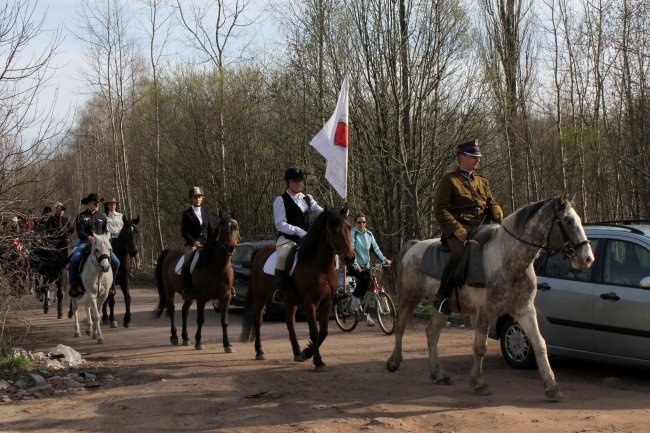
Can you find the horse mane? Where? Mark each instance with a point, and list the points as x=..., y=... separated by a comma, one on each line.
x=523, y=215
x=309, y=244
x=208, y=250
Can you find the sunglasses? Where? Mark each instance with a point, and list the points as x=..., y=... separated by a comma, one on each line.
x=361, y=222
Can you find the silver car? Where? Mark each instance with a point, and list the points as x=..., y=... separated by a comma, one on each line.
x=599, y=314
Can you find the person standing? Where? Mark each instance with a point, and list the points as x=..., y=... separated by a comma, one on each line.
x=114, y=219
x=363, y=242
x=88, y=223
x=196, y=228
x=291, y=212
x=463, y=202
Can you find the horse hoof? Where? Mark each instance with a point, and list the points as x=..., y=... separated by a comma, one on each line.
x=554, y=394
x=186, y=342
x=126, y=324
x=59, y=316
x=228, y=349
x=100, y=341
x=198, y=346
x=445, y=380
x=77, y=334
x=88, y=334
x=483, y=390
x=392, y=366
x=104, y=320
x=260, y=357
x=307, y=353
x=321, y=368
x=174, y=340
x=299, y=358
x=70, y=314
x=114, y=324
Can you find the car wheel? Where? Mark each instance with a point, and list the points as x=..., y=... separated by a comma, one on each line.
x=515, y=346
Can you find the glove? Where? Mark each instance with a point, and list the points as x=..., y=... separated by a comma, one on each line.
x=387, y=262
x=356, y=267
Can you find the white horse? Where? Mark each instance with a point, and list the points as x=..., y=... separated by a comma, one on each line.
x=510, y=285
x=97, y=278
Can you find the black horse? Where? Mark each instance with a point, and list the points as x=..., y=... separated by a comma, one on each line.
x=125, y=247
x=48, y=258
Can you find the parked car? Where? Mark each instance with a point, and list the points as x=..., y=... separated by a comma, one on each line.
x=241, y=263
x=598, y=314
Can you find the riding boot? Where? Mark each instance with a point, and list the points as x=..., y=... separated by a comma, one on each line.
x=75, y=290
x=281, y=278
x=186, y=278
x=441, y=303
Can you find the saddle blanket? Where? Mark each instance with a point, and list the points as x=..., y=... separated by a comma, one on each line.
x=269, y=265
x=436, y=257
x=179, y=264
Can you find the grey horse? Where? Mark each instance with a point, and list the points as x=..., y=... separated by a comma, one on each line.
x=510, y=285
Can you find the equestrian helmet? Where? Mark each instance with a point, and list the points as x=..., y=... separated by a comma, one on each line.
x=196, y=190
x=294, y=173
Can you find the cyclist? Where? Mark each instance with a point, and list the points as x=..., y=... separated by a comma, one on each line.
x=363, y=241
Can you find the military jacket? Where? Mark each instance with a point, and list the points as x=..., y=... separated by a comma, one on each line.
x=461, y=204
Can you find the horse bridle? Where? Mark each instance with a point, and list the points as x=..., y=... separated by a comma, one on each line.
x=568, y=249
x=228, y=249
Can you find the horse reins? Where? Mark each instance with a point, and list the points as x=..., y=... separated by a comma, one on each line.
x=568, y=249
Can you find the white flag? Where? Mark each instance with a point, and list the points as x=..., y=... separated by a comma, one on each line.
x=332, y=143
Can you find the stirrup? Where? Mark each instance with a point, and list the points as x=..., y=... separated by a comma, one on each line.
x=278, y=296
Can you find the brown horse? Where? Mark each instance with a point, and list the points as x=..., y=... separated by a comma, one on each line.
x=314, y=282
x=211, y=279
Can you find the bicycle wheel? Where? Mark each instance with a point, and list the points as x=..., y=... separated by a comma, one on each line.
x=386, y=313
x=345, y=318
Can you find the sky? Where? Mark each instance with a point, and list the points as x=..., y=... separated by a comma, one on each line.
x=67, y=84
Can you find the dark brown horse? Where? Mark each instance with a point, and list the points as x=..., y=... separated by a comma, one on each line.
x=212, y=279
x=314, y=281
x=125, y=247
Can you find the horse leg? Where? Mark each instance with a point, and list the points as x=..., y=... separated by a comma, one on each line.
x=74, y=306
x=44, y=290
x=528, y=320
x=97, y=330
x=434, y=327
x=290, y=319
x=224, y=303
x=105, y=311
x=406, y=308
x=480, y=348
x=89, y=320
x=314, y=337
x=59, y=298
x=185, y=312
x=323, y=321
x=200, y=320
x=127, y=303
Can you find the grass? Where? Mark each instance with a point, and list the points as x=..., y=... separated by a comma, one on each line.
x=13, y=365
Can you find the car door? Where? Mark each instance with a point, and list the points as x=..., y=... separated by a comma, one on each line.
x=621, y=306
x=564, y=303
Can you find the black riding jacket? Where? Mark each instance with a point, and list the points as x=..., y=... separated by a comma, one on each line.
x=88, y=223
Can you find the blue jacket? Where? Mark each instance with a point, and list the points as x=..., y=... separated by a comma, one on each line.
x=363, y=242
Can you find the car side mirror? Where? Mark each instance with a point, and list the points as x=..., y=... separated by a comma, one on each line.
x=645, y=283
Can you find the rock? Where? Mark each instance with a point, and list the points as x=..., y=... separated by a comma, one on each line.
x=37, y=379
x=88, y=376
x=70, y=355
x=4, y=384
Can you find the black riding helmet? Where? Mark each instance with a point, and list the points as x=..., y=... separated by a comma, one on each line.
x=294, y=173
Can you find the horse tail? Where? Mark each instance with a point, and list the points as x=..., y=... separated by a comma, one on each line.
x=162, y=294
x=247, y=317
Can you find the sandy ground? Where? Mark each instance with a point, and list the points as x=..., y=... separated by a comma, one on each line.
x=174, y=388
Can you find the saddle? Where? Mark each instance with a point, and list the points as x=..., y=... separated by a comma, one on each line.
x=469, y=269
x=194, y=258
x=290, y=264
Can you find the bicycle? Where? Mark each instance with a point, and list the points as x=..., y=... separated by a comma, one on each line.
x=376, y=300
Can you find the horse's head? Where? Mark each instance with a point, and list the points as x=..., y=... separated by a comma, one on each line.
x=227, y=232
x=567, y=231
x=100, y=252
x=338, y=233
x=128, y=237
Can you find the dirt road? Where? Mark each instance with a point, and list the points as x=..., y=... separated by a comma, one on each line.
x=174, y=388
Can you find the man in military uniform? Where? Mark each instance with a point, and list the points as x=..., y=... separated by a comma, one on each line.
x=464, y=201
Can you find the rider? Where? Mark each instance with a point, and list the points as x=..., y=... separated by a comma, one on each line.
x=196, y=228
x=88, y=223
x=59, y=227
x=363, y=241
x=464, y=201
x=291, y=211
x=114, y=221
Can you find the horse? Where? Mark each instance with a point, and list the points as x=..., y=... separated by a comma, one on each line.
x=50, y=266
x=510, y=284
x=211, y=279
x=125, y=247
x=97, y=278
x=314, y=279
